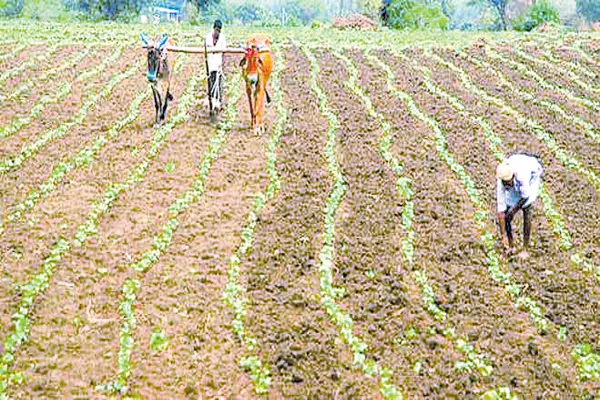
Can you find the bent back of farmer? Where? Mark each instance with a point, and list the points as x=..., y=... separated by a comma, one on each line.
x=518, y=184
x=215, y=40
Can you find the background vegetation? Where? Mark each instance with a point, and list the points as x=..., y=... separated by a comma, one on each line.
x=520, y=15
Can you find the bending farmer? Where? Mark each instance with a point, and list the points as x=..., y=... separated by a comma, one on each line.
x=216, y=41
x=518, y=180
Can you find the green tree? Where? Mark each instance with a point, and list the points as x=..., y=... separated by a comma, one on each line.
x=11, y=8
x=589, y=10
x=537, y=15
x=499, y=6
x=416, y=14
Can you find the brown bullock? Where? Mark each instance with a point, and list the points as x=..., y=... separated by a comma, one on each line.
x=257, y=66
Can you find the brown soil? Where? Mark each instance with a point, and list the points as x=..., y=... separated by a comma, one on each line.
x=449, y=249
x=298, y=342
x=580, y=206
x=587, y=150
x=202, y=359
x=74, y=340
x=52, y=218
x=95, y=296
x=561, y=78
x=566, y=294
x=22, y=105
x=369, y=238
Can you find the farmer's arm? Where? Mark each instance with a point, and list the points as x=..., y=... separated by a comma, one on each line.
x=501, y=208
x=525, y=189
x=513, y=210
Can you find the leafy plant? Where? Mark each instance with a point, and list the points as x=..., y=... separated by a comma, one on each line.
x=329, y=293
x=538, y=14
x=588, y=362
x=162, y=241
x=158, y=340
x=588, y=9
x=499, y=394
x=413, y=14
x=170, y=167
x=29, y=150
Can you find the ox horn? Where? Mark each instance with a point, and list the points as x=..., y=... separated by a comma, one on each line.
x=144, y=39
x=163, y=41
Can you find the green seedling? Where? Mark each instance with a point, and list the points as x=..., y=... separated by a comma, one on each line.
x=158, y=341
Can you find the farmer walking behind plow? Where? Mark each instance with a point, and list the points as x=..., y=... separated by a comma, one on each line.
x=215, y=40
x=518, y=184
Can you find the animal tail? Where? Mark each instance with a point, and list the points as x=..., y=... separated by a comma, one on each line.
x=268, y=97
x=169, y=96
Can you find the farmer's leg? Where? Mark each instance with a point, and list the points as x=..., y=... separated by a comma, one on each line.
x=221, y=87
x=508, y=227
x=212, y=78
x=536, y=186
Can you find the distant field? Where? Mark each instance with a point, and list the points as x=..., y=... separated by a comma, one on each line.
x=351, y=251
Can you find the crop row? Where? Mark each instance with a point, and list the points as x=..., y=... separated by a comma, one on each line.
x=542, y=82
x=474, y=361
x=482, y=214
x=84, y=157
x=14, y=53
x=546, y=137
x=11, y=73
x=30, y=291
x=234, y=290
x=586, y=363
x=329, y=292
x=555, y=218
x=29, y=150
x=573, y=77
x=14, y=126
x=63, y=91
x=575, y=67
x=578, y=48
x=569, y=160
x=161, y=242
x=552, y=106
x=21, y=90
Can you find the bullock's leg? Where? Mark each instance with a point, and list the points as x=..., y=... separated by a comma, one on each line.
x=249, y=93
x=163, y=113
x=157, y=104
x=260, y=106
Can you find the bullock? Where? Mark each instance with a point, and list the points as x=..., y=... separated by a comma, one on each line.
x=159, y=73
x=257, y=66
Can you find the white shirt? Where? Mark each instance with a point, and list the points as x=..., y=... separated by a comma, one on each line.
x=215, y=60
x=528, y=177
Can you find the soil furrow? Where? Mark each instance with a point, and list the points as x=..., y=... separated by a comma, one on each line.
x=86, y=286
x=381, y=296
x=568, y=296
x=556, y=74
x=182, y=293
x=479, y=309
x=584, y=147
x=302, y=348
x=24, y=242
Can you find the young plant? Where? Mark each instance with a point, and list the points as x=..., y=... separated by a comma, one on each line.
x=329, y=292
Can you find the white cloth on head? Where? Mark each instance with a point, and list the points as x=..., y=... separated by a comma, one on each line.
x=215, y=60
x=527, y=182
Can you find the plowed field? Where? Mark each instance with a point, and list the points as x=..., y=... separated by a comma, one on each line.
x=349, y=251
